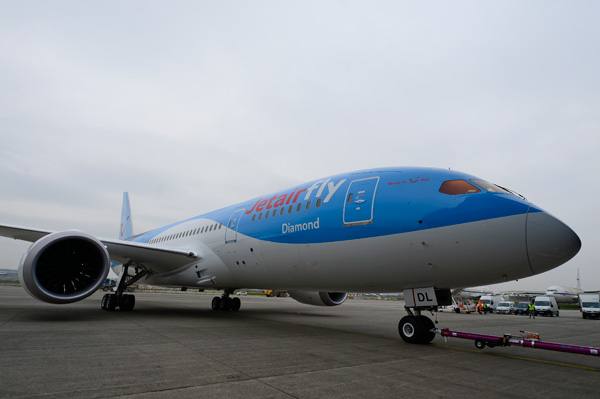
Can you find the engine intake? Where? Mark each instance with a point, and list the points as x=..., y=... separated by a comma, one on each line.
x=64, y=267
x=319, y=298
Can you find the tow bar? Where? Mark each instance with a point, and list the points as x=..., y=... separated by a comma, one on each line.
x=528, y=340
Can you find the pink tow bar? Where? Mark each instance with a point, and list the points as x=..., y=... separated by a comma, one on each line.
x=492, y=341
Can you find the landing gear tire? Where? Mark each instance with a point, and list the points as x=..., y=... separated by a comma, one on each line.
x=226, y=303
x=479, y=344
x=236, y=303
x=408, y=329
x=127, y=303
x=416, y=329
x=111, y=302
x=427, y=335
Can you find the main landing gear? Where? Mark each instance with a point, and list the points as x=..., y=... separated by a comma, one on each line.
x=125, y=302
x=226, y=303
x=415, y=328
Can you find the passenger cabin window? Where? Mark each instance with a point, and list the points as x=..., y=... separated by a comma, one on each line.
x=492, y=188
x=456, y=187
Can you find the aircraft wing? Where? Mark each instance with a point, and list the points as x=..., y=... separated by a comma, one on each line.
x=23, y=233
x=148, y=257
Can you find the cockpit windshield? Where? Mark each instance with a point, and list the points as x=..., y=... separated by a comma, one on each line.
x=456, y=187
x=459, y=186
x=490, y=187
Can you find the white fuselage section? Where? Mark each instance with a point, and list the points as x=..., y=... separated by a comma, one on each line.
x=452, y=256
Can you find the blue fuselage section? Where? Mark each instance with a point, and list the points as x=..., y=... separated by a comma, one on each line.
x=363, y=204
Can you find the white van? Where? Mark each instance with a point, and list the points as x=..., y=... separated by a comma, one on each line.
x=589, y=304
x=491, y=301
x=545, y=305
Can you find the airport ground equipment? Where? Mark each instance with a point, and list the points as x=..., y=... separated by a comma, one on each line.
x=589, y=305
x=528, y=340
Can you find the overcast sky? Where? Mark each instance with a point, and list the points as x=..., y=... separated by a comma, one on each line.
x=195, y=105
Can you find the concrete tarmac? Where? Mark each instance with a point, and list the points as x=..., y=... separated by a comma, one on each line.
x=173, y=346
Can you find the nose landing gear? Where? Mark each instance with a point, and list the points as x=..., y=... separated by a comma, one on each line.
x=416, y=329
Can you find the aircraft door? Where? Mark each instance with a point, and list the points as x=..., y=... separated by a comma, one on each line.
x=232, y=226
x=360, y=198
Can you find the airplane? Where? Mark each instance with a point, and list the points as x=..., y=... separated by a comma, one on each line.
x=564, y=294
x=473, y=292
x=420, y=231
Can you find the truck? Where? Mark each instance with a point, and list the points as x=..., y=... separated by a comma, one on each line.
x=275, y=293
x=108, y=284
x=459, y=305
x=491, y=301
x=589, y=305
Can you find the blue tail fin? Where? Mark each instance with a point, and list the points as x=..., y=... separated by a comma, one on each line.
x=126, y=230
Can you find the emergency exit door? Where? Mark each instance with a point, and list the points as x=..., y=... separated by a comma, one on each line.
x=232, y=226
x=360, y=199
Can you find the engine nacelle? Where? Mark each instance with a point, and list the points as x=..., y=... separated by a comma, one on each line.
x=319, y=298
x=64, y=267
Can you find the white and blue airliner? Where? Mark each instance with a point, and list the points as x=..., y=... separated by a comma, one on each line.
x=423, y=231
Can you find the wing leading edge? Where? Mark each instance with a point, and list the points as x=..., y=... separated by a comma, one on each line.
x=148, y=257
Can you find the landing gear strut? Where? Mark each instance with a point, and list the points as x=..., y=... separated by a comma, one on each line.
x=125, y=302
x=415, y=328
x=225, y=302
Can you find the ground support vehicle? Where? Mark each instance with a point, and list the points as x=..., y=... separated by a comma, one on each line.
x=589, y=305
x=108, y=285
x=545, y=306
x=491, y=301
x=528, y=340
x=275, y=293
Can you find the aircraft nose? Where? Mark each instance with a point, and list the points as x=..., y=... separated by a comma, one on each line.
x=550, y=242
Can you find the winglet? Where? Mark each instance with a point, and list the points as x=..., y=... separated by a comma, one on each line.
x=126, y=229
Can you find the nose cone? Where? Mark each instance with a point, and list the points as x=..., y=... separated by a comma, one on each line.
x=550, y=242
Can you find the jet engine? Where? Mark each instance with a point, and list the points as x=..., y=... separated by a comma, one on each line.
x=64, y=267
x=319, y=298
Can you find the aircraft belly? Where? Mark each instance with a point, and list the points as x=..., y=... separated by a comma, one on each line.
x=468, y=254
x=474, y=253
